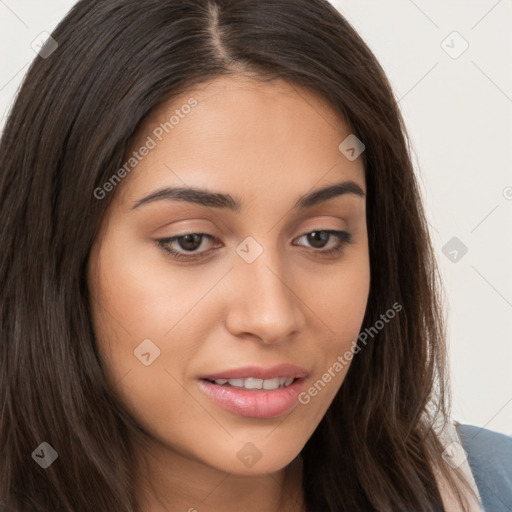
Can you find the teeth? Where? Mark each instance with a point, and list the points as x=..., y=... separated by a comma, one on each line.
x=251, y=383
x=271, y=383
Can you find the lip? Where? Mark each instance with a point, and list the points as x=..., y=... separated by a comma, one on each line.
x=254, y=403
x=260, y=372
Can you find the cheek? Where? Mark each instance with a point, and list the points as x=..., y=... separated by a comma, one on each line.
x=151, y=321
x=339, y=296
x=140, y=294
x=339, y=302
x=146, y=328
x=139, y=307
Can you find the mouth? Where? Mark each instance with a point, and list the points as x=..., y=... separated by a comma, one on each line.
x=256, y=373
x=256, y=392
x=254, y=383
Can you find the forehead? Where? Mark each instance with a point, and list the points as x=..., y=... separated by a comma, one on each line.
x=246, y=95
x=242, y=133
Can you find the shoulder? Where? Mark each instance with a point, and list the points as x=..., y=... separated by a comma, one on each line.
x=489, y=456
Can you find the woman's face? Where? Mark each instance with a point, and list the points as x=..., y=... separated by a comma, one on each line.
x=265, y=292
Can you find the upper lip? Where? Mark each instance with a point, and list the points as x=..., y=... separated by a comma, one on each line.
x=260, y=372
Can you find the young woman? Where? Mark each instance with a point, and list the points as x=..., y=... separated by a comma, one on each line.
x=217, y=286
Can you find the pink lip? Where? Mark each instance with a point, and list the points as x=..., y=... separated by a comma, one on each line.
x=254, y=403
x=260, y=372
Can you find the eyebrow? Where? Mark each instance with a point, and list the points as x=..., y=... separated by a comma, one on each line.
x=219, y=200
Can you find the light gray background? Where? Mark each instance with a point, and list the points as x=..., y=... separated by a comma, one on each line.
x=459, y=114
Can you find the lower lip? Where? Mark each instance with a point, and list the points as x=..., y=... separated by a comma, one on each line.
x=254, y=403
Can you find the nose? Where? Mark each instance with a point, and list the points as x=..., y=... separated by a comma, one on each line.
x=264, y=302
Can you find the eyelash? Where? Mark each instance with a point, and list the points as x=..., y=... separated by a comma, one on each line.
x=344, y=238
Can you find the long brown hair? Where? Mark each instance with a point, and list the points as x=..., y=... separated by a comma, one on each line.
x=67, y=133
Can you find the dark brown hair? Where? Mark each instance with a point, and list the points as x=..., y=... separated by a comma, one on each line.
x=67, y=134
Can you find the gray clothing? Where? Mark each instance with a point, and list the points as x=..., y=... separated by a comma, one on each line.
x=490, y=459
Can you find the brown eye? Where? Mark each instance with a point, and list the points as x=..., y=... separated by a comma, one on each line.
x=190, y=242
x=179, y=246
x=320, y=238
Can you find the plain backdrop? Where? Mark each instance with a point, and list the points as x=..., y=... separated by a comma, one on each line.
x=450, y=65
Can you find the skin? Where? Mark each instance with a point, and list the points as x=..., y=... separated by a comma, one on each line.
x=265, y=144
